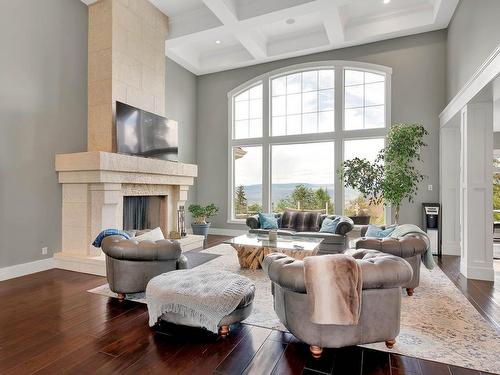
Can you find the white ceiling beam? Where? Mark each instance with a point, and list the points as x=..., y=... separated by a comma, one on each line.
x=186, y=58
x=255, y=43
x=333, y=23
x=390, y=26
x=443, y=11
x=223, y=10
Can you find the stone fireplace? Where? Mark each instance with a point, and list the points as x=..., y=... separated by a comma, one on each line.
x=94, y=187
x=126, y=63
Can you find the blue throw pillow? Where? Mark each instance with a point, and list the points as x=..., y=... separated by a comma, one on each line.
x=268, y=221
x=377, y=232
x=109, y=232
x=329, y=225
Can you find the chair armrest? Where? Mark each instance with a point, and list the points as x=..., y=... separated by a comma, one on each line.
x=253, y=222
x=182, y=263
x=382, y=271
x=404, y=247
x=285, y=271
x=344, y=226
x=119, y=248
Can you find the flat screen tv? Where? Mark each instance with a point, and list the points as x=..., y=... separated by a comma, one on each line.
x=143, y=133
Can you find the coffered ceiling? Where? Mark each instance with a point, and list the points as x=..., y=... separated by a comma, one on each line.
x=213, y=35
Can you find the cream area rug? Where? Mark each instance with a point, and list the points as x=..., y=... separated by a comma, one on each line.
x=438, y=323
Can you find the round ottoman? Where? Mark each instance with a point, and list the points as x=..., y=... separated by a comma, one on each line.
x=182, y=295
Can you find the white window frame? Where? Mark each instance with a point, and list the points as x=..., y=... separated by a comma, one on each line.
x=337, y=136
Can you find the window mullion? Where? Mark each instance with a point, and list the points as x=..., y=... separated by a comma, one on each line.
x=339, y=126
x=266, y=158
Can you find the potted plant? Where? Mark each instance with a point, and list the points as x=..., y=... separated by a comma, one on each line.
x=358, y=212
x=200, y=215
x=393, y=176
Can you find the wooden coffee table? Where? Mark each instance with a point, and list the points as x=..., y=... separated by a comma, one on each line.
x=252, y=248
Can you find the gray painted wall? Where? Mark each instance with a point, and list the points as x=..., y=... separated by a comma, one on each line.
x=43, y=111
x=181, y=106
x=418, y=95
x=496, y=140
x=473, y=34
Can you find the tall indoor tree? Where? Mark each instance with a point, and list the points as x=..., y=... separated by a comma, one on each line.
x=393, y=176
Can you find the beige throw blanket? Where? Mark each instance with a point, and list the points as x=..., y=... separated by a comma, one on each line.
x=333, y=285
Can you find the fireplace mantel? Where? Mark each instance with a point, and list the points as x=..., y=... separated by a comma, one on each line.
x=93, y=186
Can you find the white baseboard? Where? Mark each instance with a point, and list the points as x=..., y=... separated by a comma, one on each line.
x=477, y=273
x=23, y=269
x=227, y=232
x=450, y=248
x=78, y=263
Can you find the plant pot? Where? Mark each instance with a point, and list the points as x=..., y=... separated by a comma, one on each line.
x=360, y=220
x=201, y=229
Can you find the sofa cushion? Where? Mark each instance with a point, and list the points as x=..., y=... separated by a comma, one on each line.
x=152, y=235
x=268, y=221
x=378, y=232
x=329, y=225
x=301, y=221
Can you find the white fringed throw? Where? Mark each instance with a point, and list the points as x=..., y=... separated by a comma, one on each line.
x=207, y=296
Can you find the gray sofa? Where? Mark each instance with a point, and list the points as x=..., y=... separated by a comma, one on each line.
x=410, y=247
x=131, y=264
x=331, y=244
x=383, y=276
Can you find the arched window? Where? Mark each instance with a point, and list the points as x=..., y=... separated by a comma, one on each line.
x=290, y=129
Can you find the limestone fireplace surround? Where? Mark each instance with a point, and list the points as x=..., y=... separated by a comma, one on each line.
x=93, y=186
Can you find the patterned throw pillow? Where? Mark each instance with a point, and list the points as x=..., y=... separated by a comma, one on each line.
x=268, y=221
x=329, y=225
x=377, y=232
x=109, y=232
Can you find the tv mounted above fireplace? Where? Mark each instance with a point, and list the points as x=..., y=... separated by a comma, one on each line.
x=143, y=133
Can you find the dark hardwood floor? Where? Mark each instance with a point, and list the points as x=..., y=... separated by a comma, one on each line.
x=49, y=324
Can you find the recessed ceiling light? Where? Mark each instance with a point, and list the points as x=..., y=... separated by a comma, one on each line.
x=217, y=42
x=290, y=21
x=387, y=1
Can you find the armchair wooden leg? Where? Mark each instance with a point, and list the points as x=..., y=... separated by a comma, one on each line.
x=121, y=296
x=224, y=331
x=316, y=351
x=390, y=344
x=409, y=291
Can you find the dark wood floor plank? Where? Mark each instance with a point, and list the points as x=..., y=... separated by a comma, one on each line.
x=433, y=368
x=348, y=360
x=293, y=359
x=401, y=364
x=376, y=363
x=323, y=364
x=240, y=357
x=215, y=354
x=266, y=358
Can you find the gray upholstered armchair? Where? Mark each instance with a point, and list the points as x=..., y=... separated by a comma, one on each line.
x=383, y=276
x=410, y=247
x=131, y=264
x=333, y=243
